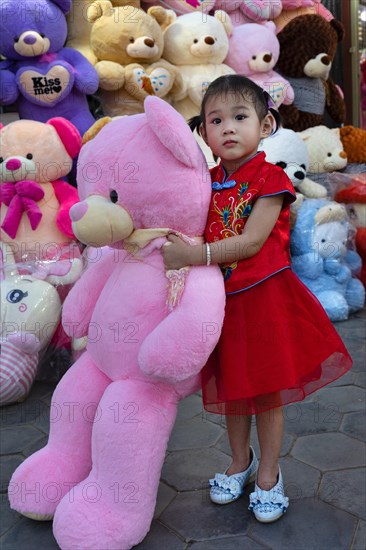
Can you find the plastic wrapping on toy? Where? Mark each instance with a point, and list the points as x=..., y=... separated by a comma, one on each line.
x=324, y=256
x=33, y=343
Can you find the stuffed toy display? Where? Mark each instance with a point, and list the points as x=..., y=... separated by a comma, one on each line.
x=46, y=79
x=30, y=314
x=128, y=44
x=294, y=8
x=79, y=27
x=285, y=148
x=149, y=333
x=352, y=193
x=320, y=258
x=354, y=144
x=253, y=52
x=308, y=45
x=250, y=11
x=35, y=201
x=198, y=51
x=325, y=149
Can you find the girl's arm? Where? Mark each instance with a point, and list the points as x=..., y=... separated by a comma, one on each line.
x=261, y=221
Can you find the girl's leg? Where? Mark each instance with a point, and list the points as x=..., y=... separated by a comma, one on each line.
x=270, y=431
x=238, y=427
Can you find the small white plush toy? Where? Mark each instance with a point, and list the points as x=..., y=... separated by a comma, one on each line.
x=325, y=149
x=286, y=149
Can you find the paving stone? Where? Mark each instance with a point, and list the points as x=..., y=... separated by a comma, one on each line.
x=193, y=433
x=23, y=413
x=190, y=406
x=36, y=446
x=344, y=399
x=330, y=451
x=215, y=418
x=191, y=469
x=357, y=350
x=29, y=535
x=8, y=465
x=345, y=380
x=308, y=525
x=164, y=498
x=160, y=538
x=25, y=435
x=301, y=480
x=354, y=424
x=359, y=541
x=287, y=442
x=196, y=518
x=345, y=490
x=8, y=517
x=231, y=543
x=310, y=417
x=41, y=391
x=353, y=328
x=360, y=379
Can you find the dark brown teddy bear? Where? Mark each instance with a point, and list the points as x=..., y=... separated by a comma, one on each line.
x=308, y=45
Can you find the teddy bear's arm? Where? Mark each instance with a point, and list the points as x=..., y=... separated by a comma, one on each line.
x=86, y=77
x=289, y=114
x=8, y=88
x=180, y=345
x=334, y=102
x=111, y=75
x=79, y=305
x=307, y=265
x=67, y=196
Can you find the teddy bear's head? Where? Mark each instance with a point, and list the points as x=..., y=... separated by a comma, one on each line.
x=308, y=45
x=37, y=151
x=143, y=171
x=255, y=11
x=253, y=48
x=321, y=226
x=125, y=34
x=191, y=41
x=325, y=149
x=31, y=28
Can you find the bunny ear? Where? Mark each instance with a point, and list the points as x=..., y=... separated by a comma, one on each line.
x=172, y=130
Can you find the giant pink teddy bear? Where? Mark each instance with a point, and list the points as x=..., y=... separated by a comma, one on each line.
x=149, y=334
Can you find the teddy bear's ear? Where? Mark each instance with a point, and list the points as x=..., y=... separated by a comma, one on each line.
x=163, y=17
x=64, y=5
x=271, y=26
x=338, y=27
x=96, y=128
x=99, y=8
x=68, y=134
x=172, y=130
x=224, y=18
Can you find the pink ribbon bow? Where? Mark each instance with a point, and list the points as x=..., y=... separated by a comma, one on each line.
x=20, y=197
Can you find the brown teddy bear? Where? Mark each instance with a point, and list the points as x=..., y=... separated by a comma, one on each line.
x=354, y=143
x=308, y=45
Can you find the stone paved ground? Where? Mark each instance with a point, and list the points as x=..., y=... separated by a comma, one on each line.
x=322, y=459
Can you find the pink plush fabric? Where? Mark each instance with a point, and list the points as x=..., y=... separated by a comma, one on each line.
x=68, y=134
x=99, y=473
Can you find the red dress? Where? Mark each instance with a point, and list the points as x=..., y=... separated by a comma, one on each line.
x=277, y=344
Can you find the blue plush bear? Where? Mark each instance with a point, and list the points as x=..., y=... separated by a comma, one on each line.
x=47, y=79
x=321, y=260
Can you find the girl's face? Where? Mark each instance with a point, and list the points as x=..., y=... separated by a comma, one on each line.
x=233, y=130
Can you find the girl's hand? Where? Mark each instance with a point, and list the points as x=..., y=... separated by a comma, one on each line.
x=175, y=253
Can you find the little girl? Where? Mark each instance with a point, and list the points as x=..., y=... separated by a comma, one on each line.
x=277, y=343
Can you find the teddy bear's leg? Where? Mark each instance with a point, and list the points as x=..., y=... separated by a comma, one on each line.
x=40, y=482
x=113, y=507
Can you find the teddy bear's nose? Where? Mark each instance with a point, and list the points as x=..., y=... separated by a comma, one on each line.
x=149, y=42
x=326, y=60
x=343, y=155
x=13, y=164
x=30, y=39
x=267, y=58
x=209, y=40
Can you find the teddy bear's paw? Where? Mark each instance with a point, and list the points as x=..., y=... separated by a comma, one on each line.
x=311, y=189
x=41, y=481
x=141, y=83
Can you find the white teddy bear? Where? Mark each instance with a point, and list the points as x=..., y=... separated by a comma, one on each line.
x=325, y=149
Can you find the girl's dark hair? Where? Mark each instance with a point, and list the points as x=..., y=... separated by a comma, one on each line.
x=238, y=86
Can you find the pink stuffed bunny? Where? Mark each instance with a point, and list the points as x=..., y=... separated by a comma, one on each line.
x=149, y=334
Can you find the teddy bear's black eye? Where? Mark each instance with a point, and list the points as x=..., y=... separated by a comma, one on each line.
x=16, y=295
x=1, y=160
x=329, y=154
x=16, y=39
x=29, y=156
x=281, y=164
x=113, y=195
x=195, y=40
x=42, y=35
x=323, y=240
x=132, y=40
x=254, y=57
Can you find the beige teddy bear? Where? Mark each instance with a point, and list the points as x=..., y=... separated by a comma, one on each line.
x=128, y=44
x=197, y=47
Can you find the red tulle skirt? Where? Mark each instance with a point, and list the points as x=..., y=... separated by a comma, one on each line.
x=277, y=346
